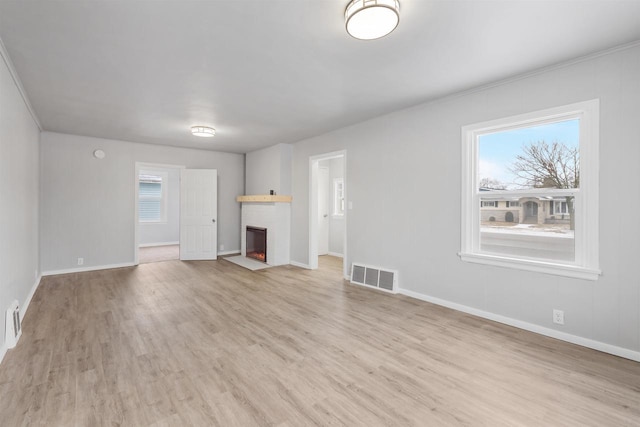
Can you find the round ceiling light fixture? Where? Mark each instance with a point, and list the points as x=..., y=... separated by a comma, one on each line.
x=203, y=131
x=371, y=19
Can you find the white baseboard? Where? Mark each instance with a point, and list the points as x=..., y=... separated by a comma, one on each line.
x=150, y=245
x=336, y=254
x=32, y=292
x=301, y=265
x=82, y=269
x=563, y=336
x=3, y=351
x=234, y=252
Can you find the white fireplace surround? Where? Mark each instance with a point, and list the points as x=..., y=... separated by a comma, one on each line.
x=276, y=218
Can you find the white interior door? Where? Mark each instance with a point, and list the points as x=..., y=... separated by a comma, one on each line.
x=323, y=211
x=198, y=214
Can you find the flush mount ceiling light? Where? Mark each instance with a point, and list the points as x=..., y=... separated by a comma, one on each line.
x=371, y=19
x=203, y=131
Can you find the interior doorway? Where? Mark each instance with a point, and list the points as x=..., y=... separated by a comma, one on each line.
x=324, y=206
x=157, y=212
x=328, y=208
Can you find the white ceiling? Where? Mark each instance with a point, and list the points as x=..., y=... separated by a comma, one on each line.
x=266, y=72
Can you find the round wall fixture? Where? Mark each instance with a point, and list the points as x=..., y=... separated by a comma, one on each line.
x=371, y=19
x=99, y=154
x=204, y=131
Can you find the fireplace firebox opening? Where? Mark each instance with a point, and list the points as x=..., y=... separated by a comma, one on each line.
x=257, y=243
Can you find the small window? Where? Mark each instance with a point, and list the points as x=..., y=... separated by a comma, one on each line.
x=338, y=197
x=546, y=164
x=561, y=207
x=152, y=197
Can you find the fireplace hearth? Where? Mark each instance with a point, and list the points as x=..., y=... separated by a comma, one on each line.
x=257, y=243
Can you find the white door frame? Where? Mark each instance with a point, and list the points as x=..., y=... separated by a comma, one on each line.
x=313, y=207
x=141, y=166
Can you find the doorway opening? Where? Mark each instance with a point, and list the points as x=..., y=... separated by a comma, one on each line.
x=157, y=212
x=530, y=213
x=328, y=209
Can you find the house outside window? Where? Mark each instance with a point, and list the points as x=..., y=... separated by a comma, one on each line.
x=530, y=191
x=152, y=197
x=338, y=197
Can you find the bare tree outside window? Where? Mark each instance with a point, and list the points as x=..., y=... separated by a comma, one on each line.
x=492, y=184
x=549, y=165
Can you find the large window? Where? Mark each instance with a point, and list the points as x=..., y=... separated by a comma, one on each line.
x=530, y=191
x=152, y=197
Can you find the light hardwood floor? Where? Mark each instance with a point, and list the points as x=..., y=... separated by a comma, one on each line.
x=212, y=344
x=158, y=253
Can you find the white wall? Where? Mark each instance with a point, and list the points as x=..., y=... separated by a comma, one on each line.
x=165, y=232
x=269, y=169
x=403, y=178
x=19, y=139
x=88, y=204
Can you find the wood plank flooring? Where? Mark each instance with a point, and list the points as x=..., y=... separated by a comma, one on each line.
x=158, y=253
x=212, y=344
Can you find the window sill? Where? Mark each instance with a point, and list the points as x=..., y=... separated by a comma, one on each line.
x=531, y=265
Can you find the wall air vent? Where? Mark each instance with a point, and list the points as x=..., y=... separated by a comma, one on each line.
x=13, y=327
x=374, y=277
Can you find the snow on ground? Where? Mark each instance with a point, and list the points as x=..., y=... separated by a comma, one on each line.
x=529, y=230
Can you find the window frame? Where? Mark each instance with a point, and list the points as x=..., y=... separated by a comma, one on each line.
x=564, y=208
x=586, y=264
x=164, y=176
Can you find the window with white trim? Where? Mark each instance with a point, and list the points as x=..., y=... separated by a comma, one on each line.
x=546, y=164
x=560, y=207
x=152, y=197
x=338, y=197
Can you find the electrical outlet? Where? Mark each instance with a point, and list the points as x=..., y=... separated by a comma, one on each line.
x=80, y=261
x=558, y=317
x=222, y=247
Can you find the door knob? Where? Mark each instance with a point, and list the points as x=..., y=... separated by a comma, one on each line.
x=325, y=215
x=213, y=220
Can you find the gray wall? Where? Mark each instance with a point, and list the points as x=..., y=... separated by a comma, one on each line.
x=88, y=204
x=403, y=177
x=166, y=232
x=269, y=169
x=19, y=139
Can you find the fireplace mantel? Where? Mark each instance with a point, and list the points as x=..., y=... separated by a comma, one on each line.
x=264, y=198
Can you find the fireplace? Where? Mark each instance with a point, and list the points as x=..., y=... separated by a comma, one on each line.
x=257, y=243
